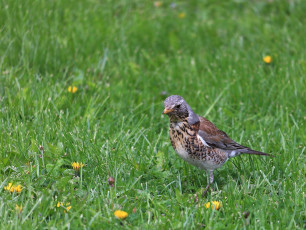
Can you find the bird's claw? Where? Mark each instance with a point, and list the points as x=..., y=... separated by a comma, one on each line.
x=205, y=191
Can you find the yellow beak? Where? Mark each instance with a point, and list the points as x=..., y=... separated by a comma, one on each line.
x=167, y=111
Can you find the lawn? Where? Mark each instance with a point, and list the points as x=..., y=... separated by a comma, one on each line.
x=121, y=59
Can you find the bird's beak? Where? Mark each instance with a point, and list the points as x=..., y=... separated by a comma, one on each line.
x=166, y=110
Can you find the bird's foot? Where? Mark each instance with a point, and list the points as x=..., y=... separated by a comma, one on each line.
x=205, y=191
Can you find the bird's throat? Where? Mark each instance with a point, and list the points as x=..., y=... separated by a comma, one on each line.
x=177, y=119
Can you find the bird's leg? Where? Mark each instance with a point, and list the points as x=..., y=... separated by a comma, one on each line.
x=210, y=177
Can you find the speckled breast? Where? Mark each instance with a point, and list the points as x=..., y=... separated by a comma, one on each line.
x=185, y=142
x=188, y=146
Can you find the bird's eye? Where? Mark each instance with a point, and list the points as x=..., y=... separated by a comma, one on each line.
x=177, y=106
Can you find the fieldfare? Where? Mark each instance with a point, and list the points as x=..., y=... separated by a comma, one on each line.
x=198, y=141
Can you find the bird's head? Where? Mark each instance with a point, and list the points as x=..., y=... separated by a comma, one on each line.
x=178, y=109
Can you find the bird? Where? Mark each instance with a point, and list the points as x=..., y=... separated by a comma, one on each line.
x=198, y=141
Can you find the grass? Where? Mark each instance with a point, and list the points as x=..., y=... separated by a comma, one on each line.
x=125, y=57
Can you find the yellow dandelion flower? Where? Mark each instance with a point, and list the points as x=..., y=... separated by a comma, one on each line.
x=18, y=208
x=11, y=188
x=121, y=214
x=8, y=187
x=158, y=3
x=68, y=208
x=182, y=15
x=76, y=165
x=59, y=204
x=214, y=204
x=72, y=89
x=18, y=188
x=267, y=59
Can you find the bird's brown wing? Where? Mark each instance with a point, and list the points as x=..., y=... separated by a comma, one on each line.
x=215, y=137
x=219, y=139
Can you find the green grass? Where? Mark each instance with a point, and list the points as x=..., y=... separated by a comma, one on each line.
x=125, y=57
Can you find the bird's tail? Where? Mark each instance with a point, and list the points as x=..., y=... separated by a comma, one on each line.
x=254, y=152
x=248, y=151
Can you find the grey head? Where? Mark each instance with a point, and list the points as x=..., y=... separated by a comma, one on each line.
x=178, y=110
